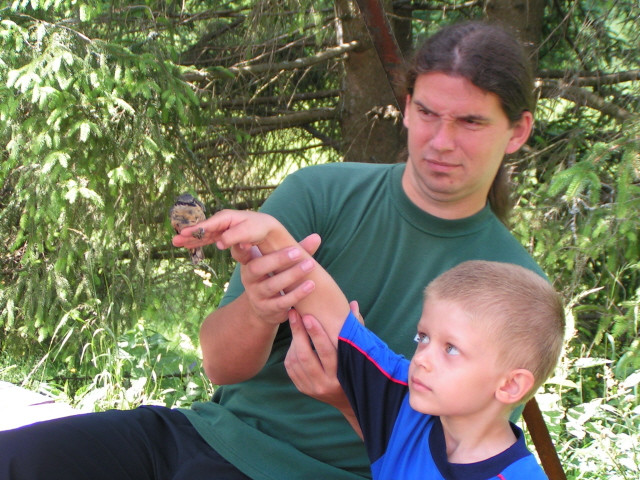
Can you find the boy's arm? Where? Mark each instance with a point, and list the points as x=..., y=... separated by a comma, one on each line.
x=327, y=302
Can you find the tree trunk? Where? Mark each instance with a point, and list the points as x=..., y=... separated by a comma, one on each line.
x=371, y=123
x=524, y=18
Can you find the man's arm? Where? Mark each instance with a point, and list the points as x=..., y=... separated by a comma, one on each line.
x=236, y=339
x=241, y=334
x=235, y=343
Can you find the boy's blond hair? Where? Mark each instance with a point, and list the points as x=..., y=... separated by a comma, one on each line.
x=522, y=312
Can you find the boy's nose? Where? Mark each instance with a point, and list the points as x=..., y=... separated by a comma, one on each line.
x=422, y=358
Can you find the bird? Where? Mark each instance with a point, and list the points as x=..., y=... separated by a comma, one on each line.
x=188, y=211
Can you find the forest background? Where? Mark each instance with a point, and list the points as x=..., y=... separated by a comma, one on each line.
x=109, y=110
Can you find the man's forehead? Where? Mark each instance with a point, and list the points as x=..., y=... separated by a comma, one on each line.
x=454, y=95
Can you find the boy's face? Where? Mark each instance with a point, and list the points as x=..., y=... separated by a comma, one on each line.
x=455, y=369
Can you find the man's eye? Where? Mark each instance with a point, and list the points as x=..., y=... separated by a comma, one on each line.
x=421, y=338
x=426, y=113
x=472, y=123
x=451, y=350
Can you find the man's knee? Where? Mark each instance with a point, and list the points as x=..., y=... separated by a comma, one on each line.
x=26, y=451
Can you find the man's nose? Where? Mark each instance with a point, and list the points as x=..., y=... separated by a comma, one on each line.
x=444, y=136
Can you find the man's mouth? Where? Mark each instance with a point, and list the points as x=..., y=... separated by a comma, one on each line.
x=439, y=166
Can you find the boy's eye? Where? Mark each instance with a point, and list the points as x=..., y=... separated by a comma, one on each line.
x=422, y=338
x=451, y=350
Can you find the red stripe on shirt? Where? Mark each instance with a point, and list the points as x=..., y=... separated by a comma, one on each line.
x=382, y=370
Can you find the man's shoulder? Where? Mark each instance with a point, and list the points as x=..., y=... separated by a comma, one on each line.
x=344, y=170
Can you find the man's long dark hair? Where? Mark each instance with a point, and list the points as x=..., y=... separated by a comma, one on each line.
x=493, y=60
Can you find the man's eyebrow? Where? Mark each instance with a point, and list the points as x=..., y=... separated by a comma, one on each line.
x=474, y=118
x=422, y=105
x=467, y=118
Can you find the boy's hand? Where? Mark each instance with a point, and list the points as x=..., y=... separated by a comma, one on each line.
x=266, y=278
x=227, y=228
x=312, y=360
x=312, y=363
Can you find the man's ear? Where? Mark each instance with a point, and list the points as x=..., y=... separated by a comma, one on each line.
x=515, y=386
x=521, y=131
x=407, y=104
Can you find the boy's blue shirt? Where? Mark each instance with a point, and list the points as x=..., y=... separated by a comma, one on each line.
x=401, y=442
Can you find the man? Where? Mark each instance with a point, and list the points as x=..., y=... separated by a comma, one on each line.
x=458, y=134
x=386, y=230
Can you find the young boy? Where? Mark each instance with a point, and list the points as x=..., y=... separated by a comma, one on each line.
x=489, y=335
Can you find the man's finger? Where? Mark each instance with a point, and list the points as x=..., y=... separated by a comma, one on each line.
x=355, y=309
x=311, y=243
x=324, y=345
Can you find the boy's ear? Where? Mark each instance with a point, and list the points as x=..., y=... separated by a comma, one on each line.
x=515, y=386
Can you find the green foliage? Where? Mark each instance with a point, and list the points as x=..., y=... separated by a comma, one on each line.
x=578, y=212
x=139, y=366
x=596, y=437
x=101, y=130
x=578, y=203
x=109, y=110
x=92, y=164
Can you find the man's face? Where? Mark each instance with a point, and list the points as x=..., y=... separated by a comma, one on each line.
x=458, y=135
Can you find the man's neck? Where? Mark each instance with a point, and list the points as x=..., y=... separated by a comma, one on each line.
x=441, y=206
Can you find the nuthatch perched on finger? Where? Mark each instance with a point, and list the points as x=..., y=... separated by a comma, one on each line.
x=188, y=211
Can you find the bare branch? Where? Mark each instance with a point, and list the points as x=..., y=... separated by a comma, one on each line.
x=435, y=6
x=326, y=140
x=200, y=47
x=248, y=188
x=291, y=119
x=280, y=100
x=283, y=151
x=305, y=62
x=590, y=79
x=210, y=149
x=582, y=97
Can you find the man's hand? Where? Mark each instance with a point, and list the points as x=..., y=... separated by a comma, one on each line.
x=314, y=373
x=274, y=282
x=229, y=354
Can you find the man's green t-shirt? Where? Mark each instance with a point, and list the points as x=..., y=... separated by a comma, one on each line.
x=382, y=250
